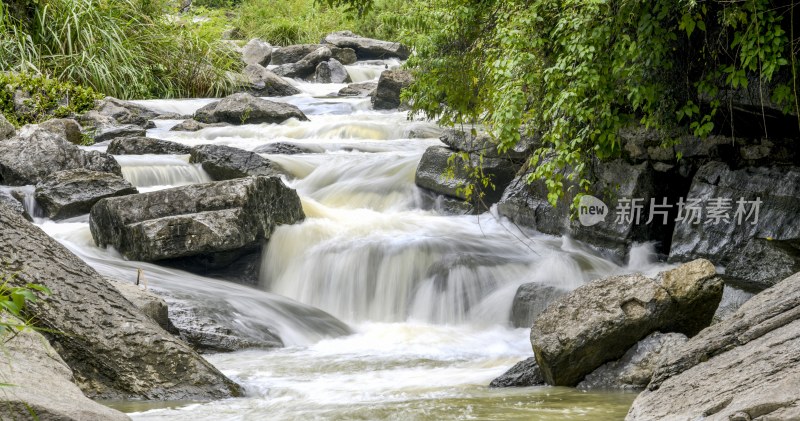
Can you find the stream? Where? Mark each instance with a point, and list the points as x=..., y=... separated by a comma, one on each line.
x=389, y=309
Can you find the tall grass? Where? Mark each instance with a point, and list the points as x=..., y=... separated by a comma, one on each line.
x=123, y=48
x=284, y=22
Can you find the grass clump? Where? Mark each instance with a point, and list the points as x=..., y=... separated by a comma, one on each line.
x=40, y=98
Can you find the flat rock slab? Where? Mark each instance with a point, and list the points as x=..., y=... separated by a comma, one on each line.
x=745, y=367
x=244, y=108
x=114, y=350
x=73, y=192
x=146, y=146
x=368, y=48
x=226, y=162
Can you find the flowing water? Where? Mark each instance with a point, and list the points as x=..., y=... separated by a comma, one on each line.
x=389, y=310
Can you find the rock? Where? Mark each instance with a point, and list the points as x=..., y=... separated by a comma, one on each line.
x=293, y=53
x=262, y=82
x=391, y=82
x=8, y=200
x=37, y=381
x=598, y=322
x=69, y=193
x=226, y=163
x=114, y=351
x=635, y=368
x=244, y=108
x=106, y=133
x=531, y=300
x=7, y=130
x=124, y=112
x=759, y=253
x=257, y=52
x=199, y=329
x=146, y=146
x=344, y=55
x=191, y=125
x=331, y=71
x=523, y=374
x=306, y=66
x=67, y=127
x=732, y=300
x=286, y=148
x=36, y=153
x=482, y=142
x=613, y=181
x=210, y=224
x=367, y=48
x=149, y=303
x=360, y=89
x=744, y=367
x=431, y=175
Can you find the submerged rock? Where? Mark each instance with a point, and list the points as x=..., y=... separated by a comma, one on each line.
x=199, y=329
x=257, y=52
x=192, y=125
x=391, y=82
x=745, y=367
x=635, y=368
x=146, y=146
x=759, y=254
x=531, y=300
x=263, y=82
x=226, y=162
x=114, y=350
x=73, y=192
x=286, y=148
x=367, y=48
x=523, y=374
x=244, y=108
x=37, y=152
x=600, y=321
x=210, y=225
x=37, y=381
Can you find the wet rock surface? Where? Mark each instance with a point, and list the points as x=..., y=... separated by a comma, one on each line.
x=244, y=108
x=73, y=192
x=146, y=146
x=387, y=94
x=226, y=163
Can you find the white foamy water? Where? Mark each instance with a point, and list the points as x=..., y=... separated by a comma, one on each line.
x=426, y=296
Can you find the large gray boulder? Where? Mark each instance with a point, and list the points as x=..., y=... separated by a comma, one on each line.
x=600, y=321
x=36, y=153
x=244, y=108
x=306, y=66
x=635, y=369
x=257, y=52
x=432, y=174
x=114, y=350
x=758, y=254
x=391, y=82
x=146, y=146
x=106, y=133
x=124, y=112
x=745, y=367
x=331, y=71
x=263, y=82
x=8, y=200
x=73, y=192
x=368, y=48
x=150, y=304
x=7, y=130
x=226, y=162
x=481, y=142
x=211, y=224
x=531, y=300
x=37, y=381
x=200, y=329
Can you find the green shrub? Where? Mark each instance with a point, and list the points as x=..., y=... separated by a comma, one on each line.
x=48, y=98
x=13, y=302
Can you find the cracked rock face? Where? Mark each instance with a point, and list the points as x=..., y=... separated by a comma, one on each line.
x=601, y=320
x=745, y=367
